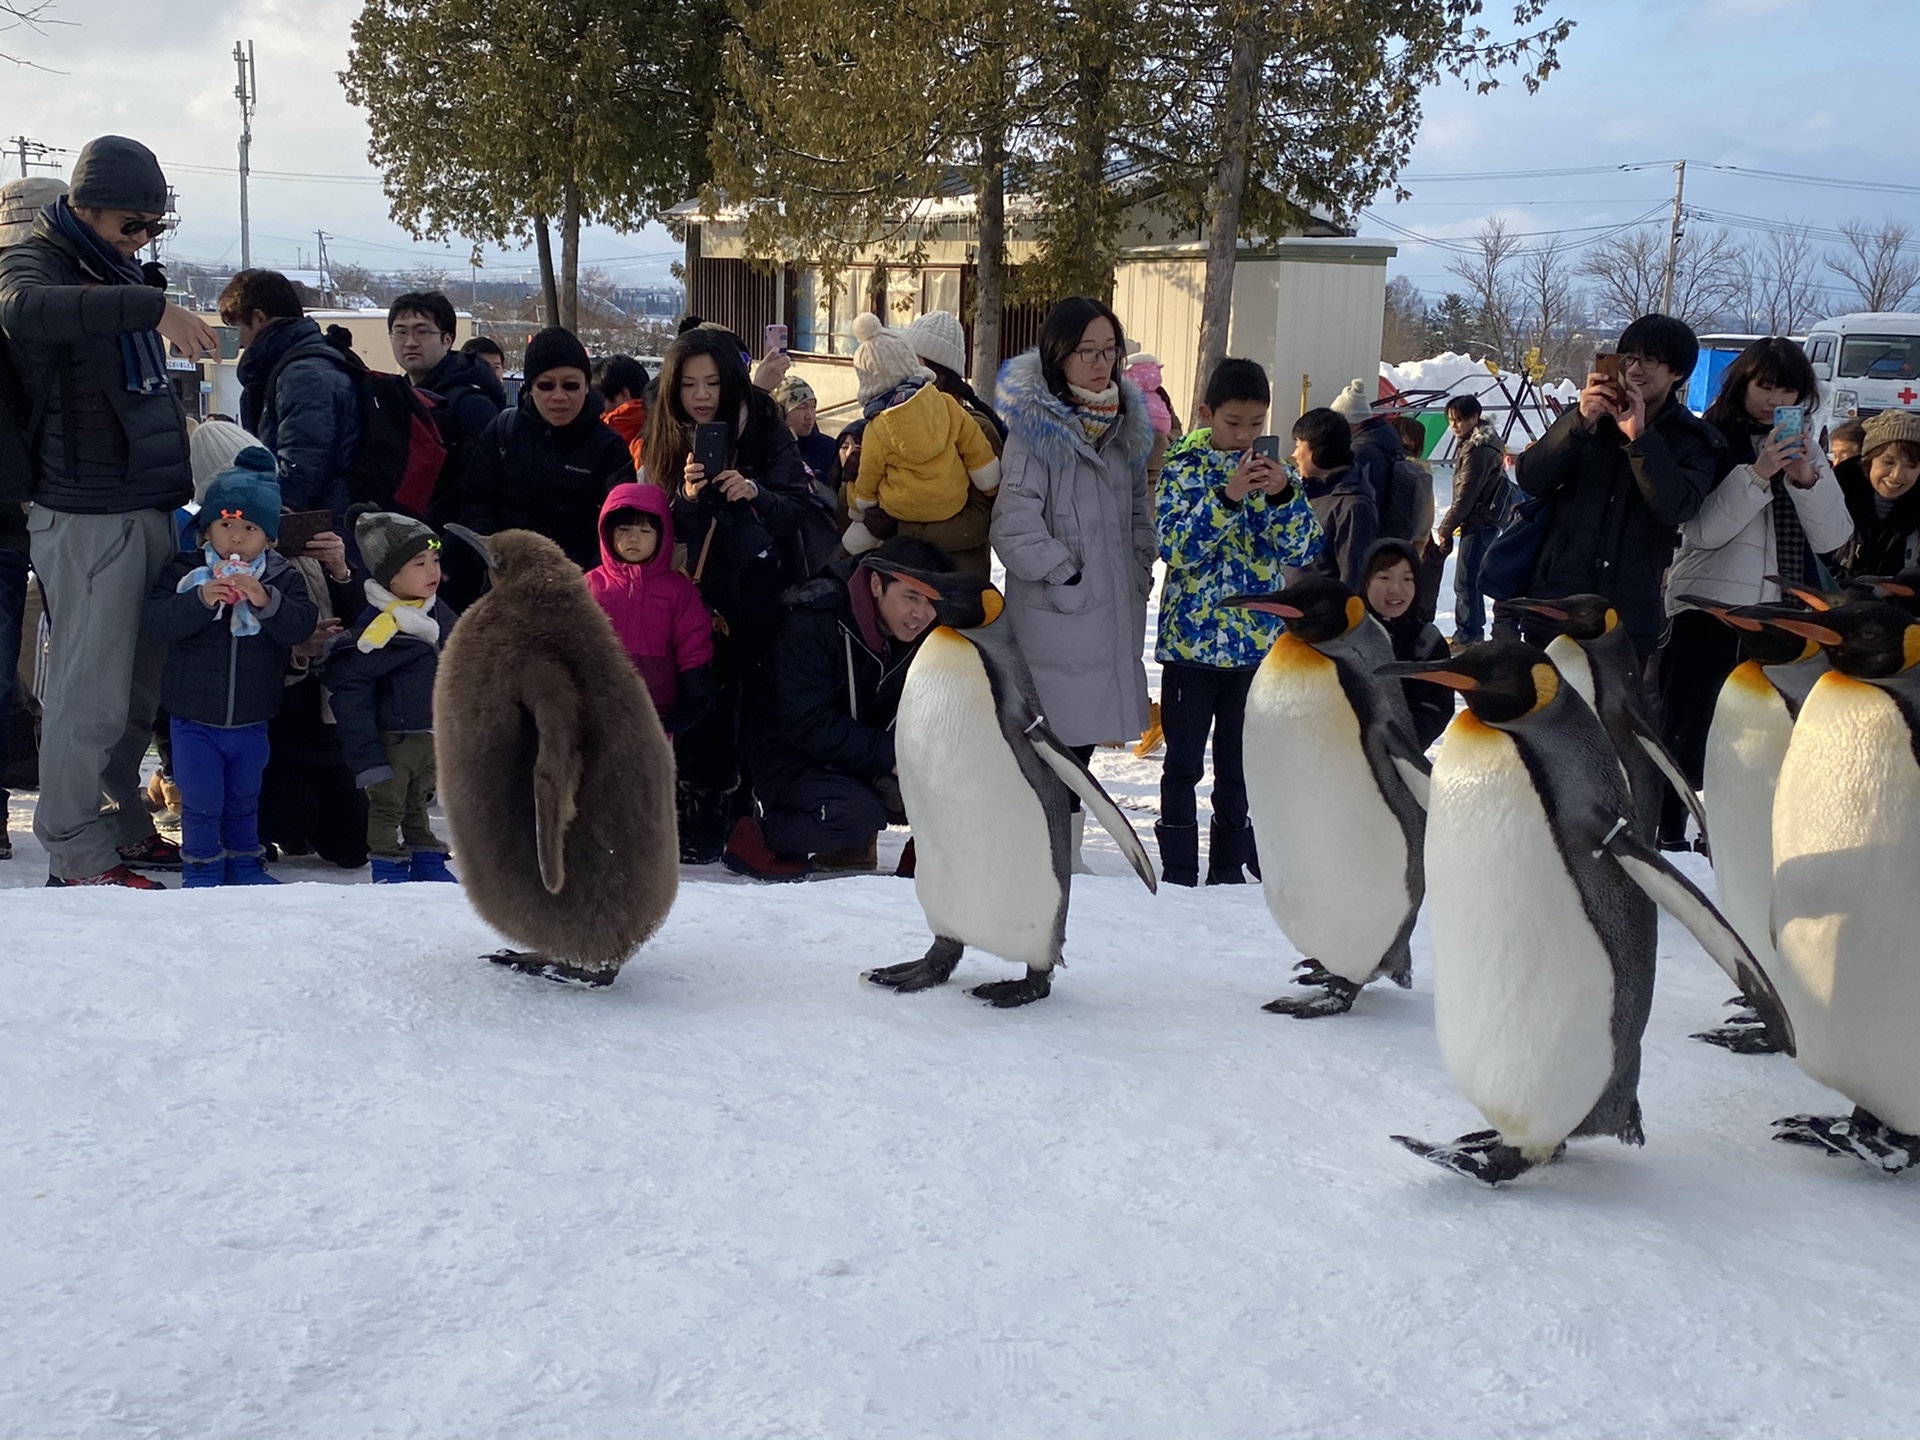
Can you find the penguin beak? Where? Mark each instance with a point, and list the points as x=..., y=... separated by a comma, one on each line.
x=478, y=542
x=1540, y=608
x=1894, y=587
x=1723, y=613
x=1266, y=604
x=1420, y=670
x=1807, y=629
x=1812, y=599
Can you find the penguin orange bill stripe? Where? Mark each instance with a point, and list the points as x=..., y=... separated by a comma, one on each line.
x=917, y=586
x=1819, y=634
x=1452, y=679
x=1266, y=606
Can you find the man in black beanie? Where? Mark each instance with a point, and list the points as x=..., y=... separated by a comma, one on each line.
x=108, y=441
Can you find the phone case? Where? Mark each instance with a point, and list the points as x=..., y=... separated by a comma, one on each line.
x=710, y=447
x=1790, y=421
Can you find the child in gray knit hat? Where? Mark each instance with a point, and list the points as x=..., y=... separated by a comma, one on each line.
x=380, y=673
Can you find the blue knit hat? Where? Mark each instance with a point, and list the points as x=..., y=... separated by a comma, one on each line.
x=248, y=490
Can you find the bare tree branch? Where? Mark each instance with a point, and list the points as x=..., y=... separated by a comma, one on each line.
x=1877, y=262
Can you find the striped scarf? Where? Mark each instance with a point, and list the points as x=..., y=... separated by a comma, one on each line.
x=1097, y=411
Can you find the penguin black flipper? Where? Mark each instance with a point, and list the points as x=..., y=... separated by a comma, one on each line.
x=1657, y=751
x=1077, y=778
x=1682, y=899
x=557, y=769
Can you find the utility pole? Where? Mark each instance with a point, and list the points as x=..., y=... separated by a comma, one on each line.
x=326, y=279
x=1673, y=238
x=246, y=92
x=33, y=152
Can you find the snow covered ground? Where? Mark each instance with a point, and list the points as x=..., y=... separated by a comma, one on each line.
x=297, y=1164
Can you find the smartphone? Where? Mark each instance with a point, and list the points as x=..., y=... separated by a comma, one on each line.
x=1267, y=446
x=297, y=529
x=710, y=446
x=776, y=340
x=1790, y=421
x=1607, y=365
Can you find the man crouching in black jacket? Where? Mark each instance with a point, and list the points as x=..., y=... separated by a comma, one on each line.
x=820, y=727
x=1626, y=468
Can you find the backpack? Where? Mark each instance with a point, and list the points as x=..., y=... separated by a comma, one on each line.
x=1400, y=506
x=402, y=452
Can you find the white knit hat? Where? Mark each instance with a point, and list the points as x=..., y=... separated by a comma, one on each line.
x=1352, y=404
x=937, y=337
x=884, y=358
x=212, y=448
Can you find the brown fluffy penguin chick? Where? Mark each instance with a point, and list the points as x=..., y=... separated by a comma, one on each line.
x=555, y=774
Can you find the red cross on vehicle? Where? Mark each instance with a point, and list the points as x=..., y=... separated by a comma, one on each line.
x=1907, y=395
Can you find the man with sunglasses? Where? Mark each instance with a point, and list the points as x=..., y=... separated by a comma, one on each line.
x=1626, y=467
x=89, y=337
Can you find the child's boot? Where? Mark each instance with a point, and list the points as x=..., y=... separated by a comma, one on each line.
x=1179, y=853
x=389, y=872
x=248, y=870
x=431, y=865
x=202, y=874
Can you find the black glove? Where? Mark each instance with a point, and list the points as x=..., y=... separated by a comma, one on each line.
x=1073, y=579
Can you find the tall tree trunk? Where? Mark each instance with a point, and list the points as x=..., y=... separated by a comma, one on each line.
x=1090, y=225
x=990, y=289
x=1224, y=194
x=877, y=281
x=549, y=291
x=570, y=255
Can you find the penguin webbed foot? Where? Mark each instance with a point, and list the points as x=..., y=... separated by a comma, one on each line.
x=1311, y=972
x=1743, y=1036
x=1335, y=998
x=934, y=968
x=532, y=962
x=1007, y=994
x=1862, y=1135
x=1481, y=1155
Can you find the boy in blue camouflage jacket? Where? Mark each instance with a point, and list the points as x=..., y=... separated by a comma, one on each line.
x=1229, y=523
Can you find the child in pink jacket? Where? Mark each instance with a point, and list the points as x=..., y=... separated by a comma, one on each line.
x=657, y=612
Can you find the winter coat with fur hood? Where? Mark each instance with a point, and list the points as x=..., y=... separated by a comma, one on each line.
x=1073, y=524
x=657, y=612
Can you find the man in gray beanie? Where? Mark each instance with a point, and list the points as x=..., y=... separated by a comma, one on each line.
x=107, y=442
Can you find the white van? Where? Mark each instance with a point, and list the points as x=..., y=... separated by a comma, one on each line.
x=1867, y=363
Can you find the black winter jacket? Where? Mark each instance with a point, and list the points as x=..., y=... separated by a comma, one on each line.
x=523, y=474
x=103, y=449
x=1618, y=508
x=755, y=553
x=388, y=691
x=1376, y=449
x=304, y=733
x=311, y=418
x=212, y=675
x=830, y=688
x=1879, y=546
x=1349, y=519
x=1479, y=484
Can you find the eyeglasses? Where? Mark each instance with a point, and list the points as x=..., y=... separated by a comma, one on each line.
x=152, y=229
x=1640, y=362
x=1088, y=356
x=547, y=387
x=414, y=332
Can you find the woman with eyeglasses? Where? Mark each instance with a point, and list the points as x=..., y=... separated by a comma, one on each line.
x=546, y=464
x=1073, y=524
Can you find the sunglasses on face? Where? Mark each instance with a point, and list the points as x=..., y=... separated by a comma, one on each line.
x=152, y=229
x=547, y=387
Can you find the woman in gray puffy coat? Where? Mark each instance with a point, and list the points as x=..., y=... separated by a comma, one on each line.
x=1073, y=524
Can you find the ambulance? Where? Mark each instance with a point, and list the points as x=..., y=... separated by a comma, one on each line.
x=1866, y=363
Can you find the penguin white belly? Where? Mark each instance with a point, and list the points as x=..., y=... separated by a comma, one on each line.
x=1574, y=666
x=1846, y=897
x=1333, y=854
x=1523, y=986
x=1745, y=748
x=984, y=861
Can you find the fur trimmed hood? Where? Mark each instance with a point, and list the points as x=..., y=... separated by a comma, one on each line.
x=1045, y=422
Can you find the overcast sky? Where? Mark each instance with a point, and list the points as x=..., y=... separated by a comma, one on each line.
x=1789, y=86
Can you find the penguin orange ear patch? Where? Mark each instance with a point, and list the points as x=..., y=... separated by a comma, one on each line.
x=1546, y=684
x=1356, y=611
x=992, y=604
x=1910, y=647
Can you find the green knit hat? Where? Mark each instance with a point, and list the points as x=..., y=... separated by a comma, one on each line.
x=388, y=541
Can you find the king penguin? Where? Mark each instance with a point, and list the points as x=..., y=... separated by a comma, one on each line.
x=1336, y=787
x=1543, y=916
x=1752, y=722
x=1597, y=658
x=987, y=787
x=556, y=776
x=1846, y=908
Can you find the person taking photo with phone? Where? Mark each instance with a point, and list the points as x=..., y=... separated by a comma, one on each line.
x=1231, y=520
x=721, y=448
x=1776, y=507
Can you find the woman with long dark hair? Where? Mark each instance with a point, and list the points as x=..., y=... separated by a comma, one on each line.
x=740, y=527
x=1073, y=523
x=1775, y=509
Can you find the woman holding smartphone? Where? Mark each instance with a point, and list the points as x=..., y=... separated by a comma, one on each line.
x=737, y=509
x=1776, y=508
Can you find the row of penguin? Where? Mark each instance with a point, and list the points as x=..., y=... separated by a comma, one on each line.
x=1532, y=825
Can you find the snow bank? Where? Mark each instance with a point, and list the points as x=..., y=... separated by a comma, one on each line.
x=1456, y=374
x=296, y=1163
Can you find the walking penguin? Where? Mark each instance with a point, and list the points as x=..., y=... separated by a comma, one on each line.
x=1594, y=654
x=1336, y=786
x=555, y=774
x=988, y=786
x=1846, y=851
x=1543, y=916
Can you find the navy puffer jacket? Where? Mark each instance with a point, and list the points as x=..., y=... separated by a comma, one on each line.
x=299, y=399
